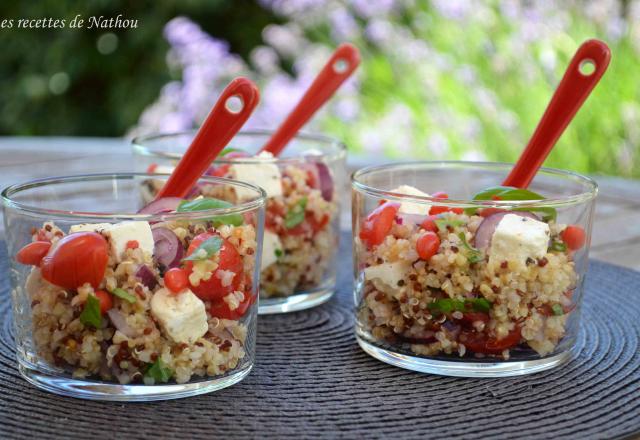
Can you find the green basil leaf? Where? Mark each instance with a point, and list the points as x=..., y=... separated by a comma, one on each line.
x=278, y=253
x=295, y=216
x=158, y=372
x=473, y=254
x=510, y=193
x=123, y=294
x=558, y=246
x=443, y=223
x=91, y=314
x=206, y=203
x=206, y=250
x=481, y=305
x=557, y=309
x=448, y=305
x=230, y=150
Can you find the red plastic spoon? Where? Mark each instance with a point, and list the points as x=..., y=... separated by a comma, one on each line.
x=340, y=66
x=571, y=93
x=222, y=123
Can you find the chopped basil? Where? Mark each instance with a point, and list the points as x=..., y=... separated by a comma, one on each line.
x=444, y=223
x=278, y=253
x=557, y=309
x=206, y=250
x=558, y=246
x=158, y=372
x=448, y=305
x=295, y=216
x=510, y=193
x=473, y=254
x=230, y=150
x=205, y=203
x=123, y=294
x=91, y=313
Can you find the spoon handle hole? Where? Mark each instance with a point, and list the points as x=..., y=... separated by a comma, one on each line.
x=234, y=104
x=587, y=67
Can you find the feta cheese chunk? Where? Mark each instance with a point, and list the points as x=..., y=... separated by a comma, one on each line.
x=163, y=169
x=517, y=238
x=123, y=232
x=89, y=227
x=265, y=175
x=182, y=316
x=270, y=244
x=387, y=273
x=412, y=208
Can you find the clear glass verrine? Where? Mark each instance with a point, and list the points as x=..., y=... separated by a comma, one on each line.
x=95, y=312
x=303, y=187
x=448, y=284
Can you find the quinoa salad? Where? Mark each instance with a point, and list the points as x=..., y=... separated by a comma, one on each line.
x=474, y=283
x=300, y=238
x=140, y=302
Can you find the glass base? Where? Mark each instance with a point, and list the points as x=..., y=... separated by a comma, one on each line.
x=95, y=390
x=298, y=301
x=464, y=368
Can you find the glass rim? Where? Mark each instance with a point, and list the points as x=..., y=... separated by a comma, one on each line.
x=12, y=190
x=139, y=147
x=580, y=197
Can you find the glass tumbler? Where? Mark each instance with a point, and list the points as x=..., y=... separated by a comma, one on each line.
x=303, y=188
x=113, y=303
x=457, y=276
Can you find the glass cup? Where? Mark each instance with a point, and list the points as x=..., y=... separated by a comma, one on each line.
x=303, y=186
x=452, y=285
x=112, y=304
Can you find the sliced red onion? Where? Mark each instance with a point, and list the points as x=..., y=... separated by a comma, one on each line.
x=488, y=226
x=168, y=249
x=120, y=323
x=165, y=204
x=326, y=181
x=146, y=276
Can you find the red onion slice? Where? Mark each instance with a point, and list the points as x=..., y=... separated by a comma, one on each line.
x=168, y=249
x=146, y=277
x=326, y=181
x=165, y=204
x=485, y=231
x=120, y=323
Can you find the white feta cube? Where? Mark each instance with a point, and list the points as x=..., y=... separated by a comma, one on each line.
x=265, y=175
x=412, y=208
x=387, y=273
x=270, y=245
x=89, y=227
x=517, y=238
x=121, y=233
x=182, y=316
x=163, y=169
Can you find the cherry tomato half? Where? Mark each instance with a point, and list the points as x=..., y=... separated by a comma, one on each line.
x=429, y=224
x=33, y=253
x=574, y=237
x=378, y=224
x=229, y=259
x=481, y=343
x=220, y=309
x=106, y=301
x=76, y=259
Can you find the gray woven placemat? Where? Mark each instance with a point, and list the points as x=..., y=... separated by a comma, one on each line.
x=312, y=380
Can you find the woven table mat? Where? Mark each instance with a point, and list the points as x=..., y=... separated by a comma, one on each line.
x=311, y=380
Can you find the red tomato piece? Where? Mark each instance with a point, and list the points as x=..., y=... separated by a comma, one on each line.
x=486, y=212
x=220, y=309
x=574, y=237
x=378, y=224
x=76, y=259
x=427, y=245
x=435, y=210
x=132, y=244
x=481, y=343
x=106, y=301
x=33, y=253
x=429, y=224
x=440, y=195
x=471, y=317
x=176, y=279
x=228, y=259
x=152, y=168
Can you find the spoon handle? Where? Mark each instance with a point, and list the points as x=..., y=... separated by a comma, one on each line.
x=340, y=66
x=574, y=88
x=222, y=123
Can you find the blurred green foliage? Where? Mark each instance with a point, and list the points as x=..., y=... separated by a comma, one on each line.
x=57, y=82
